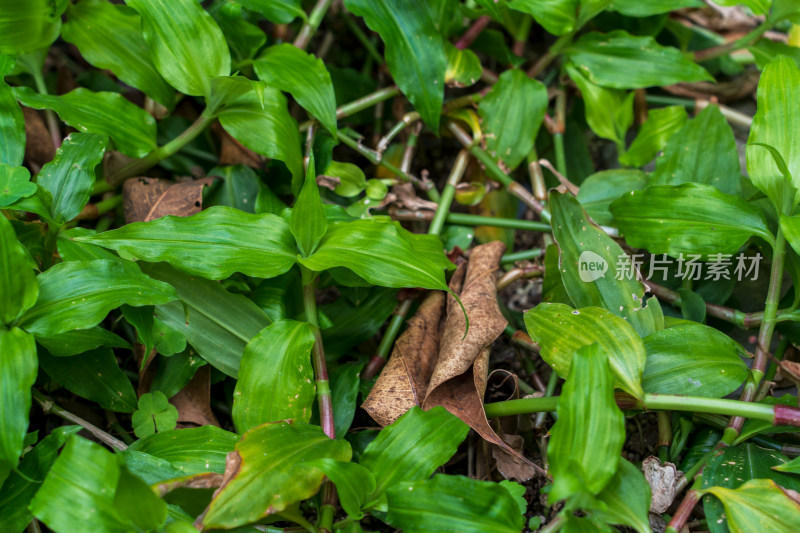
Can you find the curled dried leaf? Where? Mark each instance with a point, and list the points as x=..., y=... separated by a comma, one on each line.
x=147, y=199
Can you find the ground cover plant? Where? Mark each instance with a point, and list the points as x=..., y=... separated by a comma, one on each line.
x=446, y=266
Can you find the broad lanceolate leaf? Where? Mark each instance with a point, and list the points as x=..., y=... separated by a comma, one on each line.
x=413, y=447
x=791, y=230
x=79, y=294
x=132, y=129
x=217, y=323
x=609, y=112
x=15, y=183
x=561, y=331
x=353, y=484
x=290, y=69
x=758, y=505
x=636, y=8
x=186, y=45
x=775, y=123
x=453, y=503
x=587, y=439
x=627, y=498
x=259, y=119
x=110, y=37
x=191, y=450
x=689, y=218
x=414, y=50
x=661, y=124
x=613, y=284
x=703, y=151
x=18, y=368
x=693, y=360
x=12, y=127
x=28, y=26
x=308, y=222
x=511, y=114
x=18, y=286
x=599, y=190
x=277, y=11
x=94, y=375
x=276, y=380
x=382, y=253
x=213, y=244
x=70, y=175
x=621, y=61
x=270, y=471
x=81, y=340
x=556, y=16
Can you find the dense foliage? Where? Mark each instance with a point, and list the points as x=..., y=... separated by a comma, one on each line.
x=203, y=298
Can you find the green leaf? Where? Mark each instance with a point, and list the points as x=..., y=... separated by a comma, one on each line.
x=238, y=188
x=344, y=394
x=213, y=244
x=18, y=491
x=414, y=50
x=609, y=112
x=599, y=190
x=69, y=177
x=94, y=375
x=356, y=322
x=131, y=128
x=586, y=441
x=79, y=294
x=18, y=369
x=577, y=236
x=556, y=16
x=155, y=414
x=109, y=37
x=661, y=124
x=511, y=114
x=290, y=69
x=637, y=8
x=561, y=331
x=15, y=183
x=78, y=341
x=277, y=11
x=774, y=123
x=259, y=119
x=765, y=50
x=735, y=466
x=693, y=360
x=191, y=450
x=463, y=66
x=621, y=61
x=382, y=253
x=353, y=484
x=758, y=505
x=784, y=10
x=308, y=223
x=266, y=483
x=691, y=218
x=12, y=128
x=179, y=32
x=29, y=25
x=141, y=318
x=453, y=503
x=627, y=499
x=351, y=178
x=703, y=151
x=137, y=504
x=217, y=323
x=18, y=286
x=276, y=380
x=413, y=447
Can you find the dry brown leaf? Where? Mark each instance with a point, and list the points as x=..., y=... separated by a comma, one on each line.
x=39, y=148
x=329, y=182
x=147, y=199
x=509, y=464
x=404, y=380
x=663, y=480
x=231, y=151
x=194, y=400
x=203, y=480
x=406, y=198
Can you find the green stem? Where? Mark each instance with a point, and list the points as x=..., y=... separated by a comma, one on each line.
x=407, y=120
x=664, y=435
x=310, y=26
x=392, y=330
x=139, y=166
x=551, y=54
x=366, y=102
x=318, y=357
x=377, y=159
x=552, y=381
x=456, y=173
x=558, y=134
x=513, y=223
x=525, y=255
x=52, y=121
x=742, y=42
x=362, y=38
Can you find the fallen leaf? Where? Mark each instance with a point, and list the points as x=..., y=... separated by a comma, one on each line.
x=663, y=480
x=194, y=400
x=329, y=182
x=203, y=480
x=231, y=151
x=147, y=199
x=406, y=198
x=510, y=465
x=404, y=380
x=39, y=147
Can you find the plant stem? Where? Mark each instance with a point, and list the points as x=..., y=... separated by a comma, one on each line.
x=52, y=122
x=456, y=173
x=552, y=381
x=310, y=26
x=138, y=166
x=473, y=31
x=550, y=55
x=525, y=255
x=407, y=120
x=367, y=101
x=741, y=42
x=359, y=34
x=318, y=355
x=664, y=435
x=465, y=219
x=92, y=211
x=385, y=347
x=50, y=407
x=558, y=133
x=377, y=159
